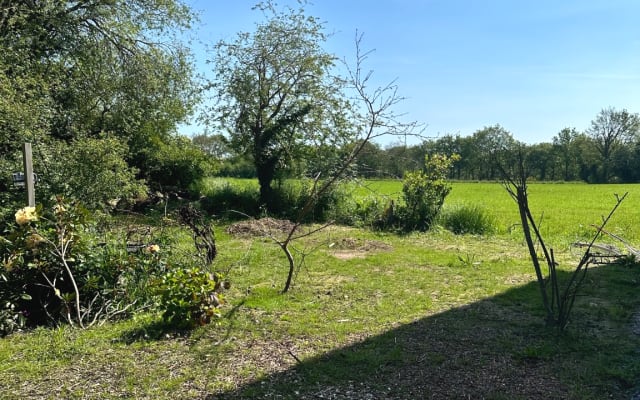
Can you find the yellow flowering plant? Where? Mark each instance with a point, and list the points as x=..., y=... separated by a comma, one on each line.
x=38, y=253
x=58, y=265
x=26, y=215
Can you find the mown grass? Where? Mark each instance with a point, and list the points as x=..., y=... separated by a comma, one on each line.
x=372, y=315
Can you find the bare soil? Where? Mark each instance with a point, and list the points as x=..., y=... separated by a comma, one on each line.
x=260, y=227
x=348, y=248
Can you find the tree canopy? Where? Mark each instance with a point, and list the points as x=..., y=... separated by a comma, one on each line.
x=75, y=70
x=276, y=95
x=610, y=130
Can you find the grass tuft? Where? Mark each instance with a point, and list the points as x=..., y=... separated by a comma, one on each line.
x=468, y=219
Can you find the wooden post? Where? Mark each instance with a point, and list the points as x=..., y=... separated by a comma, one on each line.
x=28, y=175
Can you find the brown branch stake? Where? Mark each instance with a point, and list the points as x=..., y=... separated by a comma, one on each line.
x=558, y=303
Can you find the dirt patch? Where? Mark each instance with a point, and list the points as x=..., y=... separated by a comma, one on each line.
x=260, y=227
x=348, y=248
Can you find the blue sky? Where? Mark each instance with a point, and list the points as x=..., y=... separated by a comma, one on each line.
x=534, y=67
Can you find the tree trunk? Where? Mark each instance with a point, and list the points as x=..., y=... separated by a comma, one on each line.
x=266, y=171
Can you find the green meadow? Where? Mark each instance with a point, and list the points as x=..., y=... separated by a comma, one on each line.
x=566, y=211
x=374, y=315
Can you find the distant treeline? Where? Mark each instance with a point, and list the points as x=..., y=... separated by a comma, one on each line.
x=607, y=152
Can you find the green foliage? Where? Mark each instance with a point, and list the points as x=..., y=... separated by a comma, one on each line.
x=71, y=71
x=610, y=131
x=176, y=164
x=221, y=197
x=468, y=219
x=239, y=166
x=216, y=146
x=369, y=210
x=90, y=170
x=127, y=276
x=54, y=270
x=424, y=192
x=39, y=250
x=290, y=196
x=287, y=105
x=190, y=296
x=11, y=317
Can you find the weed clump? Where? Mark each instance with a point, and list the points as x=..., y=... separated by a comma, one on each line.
x=468, y=219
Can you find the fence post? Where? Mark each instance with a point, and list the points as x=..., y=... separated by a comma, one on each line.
x=28, y=175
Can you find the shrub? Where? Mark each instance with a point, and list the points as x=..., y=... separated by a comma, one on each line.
x=291, y=195
x=424, y=192
x=90, y=170
x=190, y=296
x=54, y=270
x=220, y=197
x=238, y=167
x=468, y=219
x=357, y=211
x=176, y=164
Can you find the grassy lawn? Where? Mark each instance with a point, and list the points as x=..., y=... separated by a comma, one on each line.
x=374, y=316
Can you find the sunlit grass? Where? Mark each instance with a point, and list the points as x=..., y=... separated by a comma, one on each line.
x=368, y=308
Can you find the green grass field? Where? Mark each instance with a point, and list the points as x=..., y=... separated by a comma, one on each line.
x=373, y=316
x=566, y=210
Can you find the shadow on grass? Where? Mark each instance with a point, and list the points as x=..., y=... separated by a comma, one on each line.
x=153, y=331
x=158, y=329
x=497, y=348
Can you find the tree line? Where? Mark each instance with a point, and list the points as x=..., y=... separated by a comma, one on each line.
x=607, y=152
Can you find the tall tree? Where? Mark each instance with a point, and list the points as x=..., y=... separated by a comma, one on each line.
x=82, y=69
x=610, y=130
x=216, y=146
x=541, y=161
x=564, y=143
x=487, y=143
x=276, y=94
x=588, y=160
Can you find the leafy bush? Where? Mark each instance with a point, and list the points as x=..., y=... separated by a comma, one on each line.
x=90, y=170
x=468, y=219
x=290, y=196
x=239, y=166
x=357, y=211
x=176, y=164
x=220, y=196
x=190, y=296
x=424, y=192
x=54, y=270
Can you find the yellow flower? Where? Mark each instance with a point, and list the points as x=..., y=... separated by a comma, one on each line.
x=7, y=263
x=34, y=240
x=153, y=248
x=26, y=215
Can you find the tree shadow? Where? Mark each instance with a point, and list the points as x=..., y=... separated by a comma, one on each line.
x=155, y=330
x=158, y=329
x=496, y=348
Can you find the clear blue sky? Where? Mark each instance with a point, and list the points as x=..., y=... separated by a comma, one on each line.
x=534, y=67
